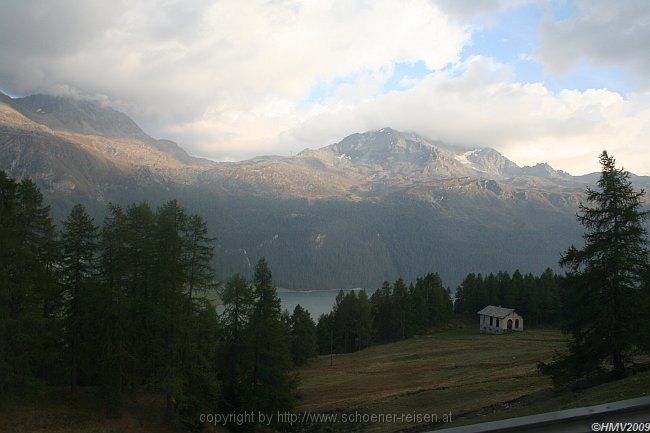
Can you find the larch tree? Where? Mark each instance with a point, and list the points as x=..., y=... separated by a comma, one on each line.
x=199, y=254
x=604, y=281
x=303, y=336
x=78, y=272
x=236, y=355
x=273, y=385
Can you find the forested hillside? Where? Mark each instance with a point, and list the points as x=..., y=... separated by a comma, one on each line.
x=375, y=206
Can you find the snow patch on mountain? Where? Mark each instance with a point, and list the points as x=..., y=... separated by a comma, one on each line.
x=463, y=158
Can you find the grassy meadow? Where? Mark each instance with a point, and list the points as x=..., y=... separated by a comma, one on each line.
x=477, y=377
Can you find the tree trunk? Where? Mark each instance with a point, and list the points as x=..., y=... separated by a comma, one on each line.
x=617, y=361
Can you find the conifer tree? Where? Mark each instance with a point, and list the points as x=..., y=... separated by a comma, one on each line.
x=437, y=299
x=273, y=387
x=364, y=331
x=199, y=253
x=79, y=272
x=169, y=315
x=325, y=334
x=303, y=336
x=382, y=313
x=9, y=246
x=140, y=236
x=402, y=312
x=32, y=290
x=113, y=320
x=343, y=315
x=237, y=351
x=604, y=282
x=418, y=295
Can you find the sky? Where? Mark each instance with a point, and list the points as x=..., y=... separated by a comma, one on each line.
x=540, y=81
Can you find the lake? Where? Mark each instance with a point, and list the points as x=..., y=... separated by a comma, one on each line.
x=317, y=302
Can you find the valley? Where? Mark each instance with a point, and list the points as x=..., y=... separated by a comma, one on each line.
x=375, y=206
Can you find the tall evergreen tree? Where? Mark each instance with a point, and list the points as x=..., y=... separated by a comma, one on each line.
x=325, y=334
x=419, y=305
x=364, y=325
x=78, y=271
x=236, y=357
x=343, y=315
x=402, y=311
x=382, y=313
x=9, y=246
x=114, y=320
x=139, y=233
x=273, y=386
x=439, y=307
x=604, y=279
x=200, y=274
x=303, y=336
x=169, y=315
x=30, y=290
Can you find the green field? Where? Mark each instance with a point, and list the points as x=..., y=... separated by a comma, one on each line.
x=476, y=377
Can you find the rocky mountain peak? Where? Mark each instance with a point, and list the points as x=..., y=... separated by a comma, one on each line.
x=491, y=162
x=81, y=116
x=379, y=144
x=388, y=153
x=544, y=171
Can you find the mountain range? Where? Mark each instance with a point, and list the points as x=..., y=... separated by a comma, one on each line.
x=376, y=205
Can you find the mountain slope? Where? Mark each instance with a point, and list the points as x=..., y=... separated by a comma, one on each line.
x=77, y=115
x=374, y=206
x=89, y=118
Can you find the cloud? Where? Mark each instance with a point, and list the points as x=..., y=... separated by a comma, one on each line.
x=471, y=9
x=226, y=68
x=602, y=32
x=230, y=79
x=479, y=104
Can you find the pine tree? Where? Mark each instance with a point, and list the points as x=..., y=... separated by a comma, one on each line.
x=343, y=315
x=439, y=307
x=113, y=319
x=30, y=326
x=9, y=246
x=199, y=253
x=604, y=279
x=418, y=295
x=402, y=312
x=273, y=387
x=200, y=388
x=140, y=235
x=469, y=298
x=364, y=333
x=169, y=314
x=383, y=313
x=236, y=365
x=78, y=271
x=303, y=336
x=325, y=334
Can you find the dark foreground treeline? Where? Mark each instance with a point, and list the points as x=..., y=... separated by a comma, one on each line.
x=120, y=308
